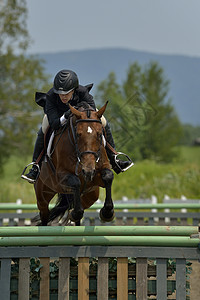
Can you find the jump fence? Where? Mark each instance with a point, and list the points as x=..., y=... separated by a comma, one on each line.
x=95, y=262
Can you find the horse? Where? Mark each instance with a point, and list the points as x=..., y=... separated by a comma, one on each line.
x=77, y=167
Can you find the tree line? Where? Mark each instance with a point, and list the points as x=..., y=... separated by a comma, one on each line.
x=21, y=75
x=143, y=120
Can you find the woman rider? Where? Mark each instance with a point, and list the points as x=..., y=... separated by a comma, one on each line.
x=66, y=89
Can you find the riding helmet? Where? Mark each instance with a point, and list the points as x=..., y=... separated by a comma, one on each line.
x=65, y=81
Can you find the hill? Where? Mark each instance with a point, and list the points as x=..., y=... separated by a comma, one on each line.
x=183, y=72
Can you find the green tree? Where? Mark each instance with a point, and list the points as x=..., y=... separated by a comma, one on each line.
x=21, y=75
x=13, y=29
x=147, y=125
x=163, y=129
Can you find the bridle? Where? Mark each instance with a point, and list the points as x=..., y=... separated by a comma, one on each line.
x=79, y=154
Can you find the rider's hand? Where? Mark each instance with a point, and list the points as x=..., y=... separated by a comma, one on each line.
x=67, y=114
x=65, y=117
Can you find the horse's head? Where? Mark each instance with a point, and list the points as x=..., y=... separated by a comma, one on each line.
x=88, y=138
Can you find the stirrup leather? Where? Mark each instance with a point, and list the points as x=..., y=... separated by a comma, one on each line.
x=23, y=176
x=129, y=159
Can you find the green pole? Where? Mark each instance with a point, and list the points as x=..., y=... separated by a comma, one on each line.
x=99, y=231
x=116, y=206
x=158, y=241
x=19, y=206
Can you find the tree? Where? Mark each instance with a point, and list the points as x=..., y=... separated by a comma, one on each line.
x=13, y=29
x=21, y=75
x=146, y=122
x=163, y=129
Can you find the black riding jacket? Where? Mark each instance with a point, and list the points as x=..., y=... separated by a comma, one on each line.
x=54, y=108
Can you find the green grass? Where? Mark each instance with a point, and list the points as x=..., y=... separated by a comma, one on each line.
x=144, y=179
x=11, y=184
x=148, y=178
x=190, y=155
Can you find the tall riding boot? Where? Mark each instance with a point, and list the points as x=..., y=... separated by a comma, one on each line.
x=118, y=165
x=39, y=146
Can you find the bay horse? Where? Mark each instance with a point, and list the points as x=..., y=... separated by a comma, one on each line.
x=77, y=166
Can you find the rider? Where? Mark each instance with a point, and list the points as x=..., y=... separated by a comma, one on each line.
x=66, y=89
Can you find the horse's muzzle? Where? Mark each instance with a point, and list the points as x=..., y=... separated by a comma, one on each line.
x=88, y=174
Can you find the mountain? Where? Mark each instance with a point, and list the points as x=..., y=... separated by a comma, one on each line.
x=183, y=72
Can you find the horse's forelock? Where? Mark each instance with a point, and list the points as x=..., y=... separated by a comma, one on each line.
x=84, y=106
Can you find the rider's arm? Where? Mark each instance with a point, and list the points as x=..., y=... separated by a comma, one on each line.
x=52, y=113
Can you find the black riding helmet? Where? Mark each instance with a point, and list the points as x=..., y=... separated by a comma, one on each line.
x=65, y=81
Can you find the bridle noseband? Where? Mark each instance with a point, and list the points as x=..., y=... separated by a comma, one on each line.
x=79, y=154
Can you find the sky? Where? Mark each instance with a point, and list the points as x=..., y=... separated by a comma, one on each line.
x=158, y=26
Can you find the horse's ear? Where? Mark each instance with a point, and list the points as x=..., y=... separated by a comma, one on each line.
x=74, y=111
x=102, y=109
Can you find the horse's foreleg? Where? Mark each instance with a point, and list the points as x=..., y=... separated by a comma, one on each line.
x=75, y=214
x=107, y=212
x=44, y=215
x=44, y=196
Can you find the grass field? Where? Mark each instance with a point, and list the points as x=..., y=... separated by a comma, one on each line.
x=144, y=179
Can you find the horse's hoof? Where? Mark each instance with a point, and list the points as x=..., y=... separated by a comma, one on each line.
x=108, y=217
x=75, y=217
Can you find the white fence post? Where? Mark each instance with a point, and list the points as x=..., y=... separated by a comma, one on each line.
x=183, y=198
x=18, y=211
x=19, y=202
x=125, y=200
x=154, y=200
x=166, y=210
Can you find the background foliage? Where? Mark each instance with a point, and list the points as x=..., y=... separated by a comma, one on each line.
x=143, y=120
x=21, y=76
x=144, y=179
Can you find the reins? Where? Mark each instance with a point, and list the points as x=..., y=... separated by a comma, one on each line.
x=60, y=135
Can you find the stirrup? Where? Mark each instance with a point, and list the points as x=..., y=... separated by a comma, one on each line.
x=29, y=179
x=129, y=159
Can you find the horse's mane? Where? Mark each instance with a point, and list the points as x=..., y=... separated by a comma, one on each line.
x=83, y=105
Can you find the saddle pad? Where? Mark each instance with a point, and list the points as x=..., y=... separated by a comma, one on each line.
x=50, y=144
x=104, y=140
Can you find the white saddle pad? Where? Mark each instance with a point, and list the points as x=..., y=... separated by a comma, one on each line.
x=50, y=144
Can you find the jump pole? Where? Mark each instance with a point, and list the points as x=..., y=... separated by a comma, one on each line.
x=99, y=231
x=153, y=241
x=116, y=206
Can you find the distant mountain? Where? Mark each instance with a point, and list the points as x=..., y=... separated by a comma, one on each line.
x=183, y=72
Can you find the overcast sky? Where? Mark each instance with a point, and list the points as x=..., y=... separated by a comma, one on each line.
x=160, y=26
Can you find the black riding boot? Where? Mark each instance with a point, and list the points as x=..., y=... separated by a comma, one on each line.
x=118, y=165
x=39, y=146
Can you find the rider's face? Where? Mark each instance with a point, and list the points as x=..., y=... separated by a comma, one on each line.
x=67, y=97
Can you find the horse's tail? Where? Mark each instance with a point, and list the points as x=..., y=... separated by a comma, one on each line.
x=64, y=203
